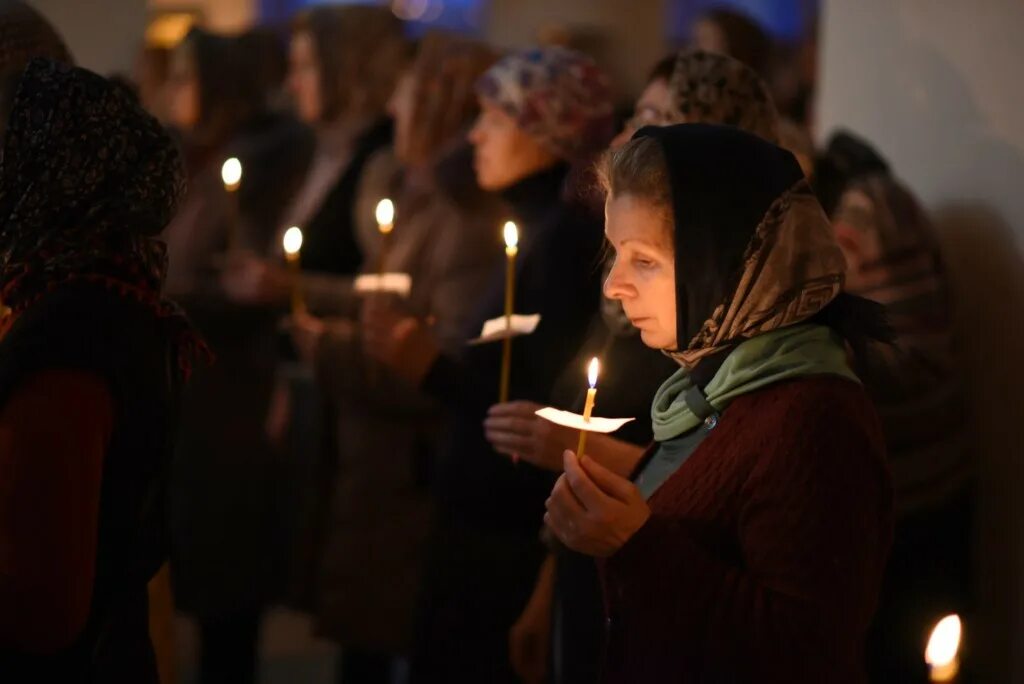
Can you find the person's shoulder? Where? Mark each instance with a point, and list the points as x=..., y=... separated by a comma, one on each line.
x=808, y=404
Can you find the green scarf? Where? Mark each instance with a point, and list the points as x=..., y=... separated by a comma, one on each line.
x=782, y=354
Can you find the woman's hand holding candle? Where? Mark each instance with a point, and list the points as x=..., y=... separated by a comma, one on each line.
x=401, y=342
x=592, y=510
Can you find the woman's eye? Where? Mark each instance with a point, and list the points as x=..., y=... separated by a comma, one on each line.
x=641, y=262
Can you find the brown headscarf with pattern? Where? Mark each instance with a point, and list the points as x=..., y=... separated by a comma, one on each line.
x=717, y=89
x=25, y=34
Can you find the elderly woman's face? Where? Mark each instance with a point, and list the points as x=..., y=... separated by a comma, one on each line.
x=304, y=77
x=643, y=275
x=504, y=154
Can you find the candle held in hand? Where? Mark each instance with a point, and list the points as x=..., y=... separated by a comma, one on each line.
x=292, y=249
x=588, y=407
x=511, y=234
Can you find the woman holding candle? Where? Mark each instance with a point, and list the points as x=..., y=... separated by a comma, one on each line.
x=541, y=110
x=365, y=569
x=344, y=63
x=690, y=86
x=92, y=360
x=750, y=543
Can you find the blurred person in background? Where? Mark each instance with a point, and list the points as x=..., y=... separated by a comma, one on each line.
x=343, y=66
x=690, y=86
x=542, y=110
x=230, y=539
x=894, y=258
x=385, y=434
x=92, y=363
x=731, y=32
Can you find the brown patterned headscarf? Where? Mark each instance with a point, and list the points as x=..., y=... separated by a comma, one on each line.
x=361, y=51
x=717, y=89
x=446, y=70
x=754, y=250
x=25, y=34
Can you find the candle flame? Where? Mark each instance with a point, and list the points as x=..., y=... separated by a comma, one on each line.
x=293, y=240
x=592, y=371
x=231, y=173
x=511, y=235
x=385, y=215
x=944, y=643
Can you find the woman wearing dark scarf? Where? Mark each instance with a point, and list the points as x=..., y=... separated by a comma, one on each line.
x=751, y=542
x=87, y=180
x=695, y=87
x=541, y=110
x=369, y=535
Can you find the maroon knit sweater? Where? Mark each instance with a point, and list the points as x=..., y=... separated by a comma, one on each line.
x=762, y=558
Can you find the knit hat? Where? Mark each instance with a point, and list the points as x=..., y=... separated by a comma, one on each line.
x=558, y=96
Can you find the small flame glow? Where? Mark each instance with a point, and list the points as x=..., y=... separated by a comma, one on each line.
x=592, y=371
x=944, y=643
x=293, y=240
x=385, y=215
x=231, y=173
x=511, y=235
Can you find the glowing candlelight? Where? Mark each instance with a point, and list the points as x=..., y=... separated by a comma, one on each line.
x=385, y=214
x=292, y=248
x=511, y=250
x=588, y=407
x=231, y=174
x=942, y=653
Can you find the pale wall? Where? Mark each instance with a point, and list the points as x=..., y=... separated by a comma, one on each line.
x=937, y=85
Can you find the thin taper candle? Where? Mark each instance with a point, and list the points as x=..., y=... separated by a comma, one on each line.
x=511, y=250
x=588, y=407
x=385, y=215
x=292, y=250
x=231, y=175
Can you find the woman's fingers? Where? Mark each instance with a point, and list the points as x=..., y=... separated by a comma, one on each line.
x=510, y=444
x=582, y=486
x=610, y=483
x=521, y=409
x=513, y=424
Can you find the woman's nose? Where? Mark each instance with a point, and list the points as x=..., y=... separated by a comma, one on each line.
x=615, y=285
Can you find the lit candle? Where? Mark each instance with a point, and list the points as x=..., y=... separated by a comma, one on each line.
x=588, y=407
x=231, y=174
x=511, y=250
x=385, y=223
x=942, y=653
x=292, y=248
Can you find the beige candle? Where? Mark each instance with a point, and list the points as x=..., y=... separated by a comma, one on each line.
x=231, y=175
x=942, y=653
x=511, y=250
x=588, y=407
x=292, y=249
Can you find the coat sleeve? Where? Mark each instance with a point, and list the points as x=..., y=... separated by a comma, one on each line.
x=54, y=434
x=813, y=531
